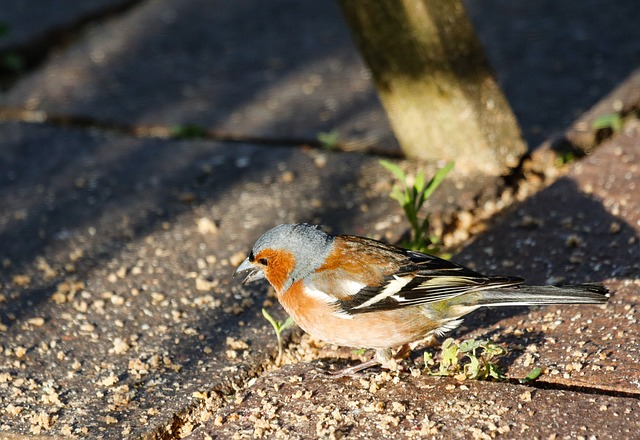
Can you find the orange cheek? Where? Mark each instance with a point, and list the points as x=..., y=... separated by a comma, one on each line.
x=280, y=264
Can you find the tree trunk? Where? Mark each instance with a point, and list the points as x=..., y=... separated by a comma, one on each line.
x=435, y=83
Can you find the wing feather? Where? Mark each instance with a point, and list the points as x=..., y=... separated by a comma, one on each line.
x=421, y=279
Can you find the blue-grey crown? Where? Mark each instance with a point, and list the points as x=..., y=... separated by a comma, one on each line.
x=309, y=246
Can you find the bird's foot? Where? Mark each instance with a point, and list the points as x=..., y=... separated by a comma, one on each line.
x=384, y=357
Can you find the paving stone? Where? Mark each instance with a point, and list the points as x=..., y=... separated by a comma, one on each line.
x=556, y=60
x=623, y=101
x=218, y=67
x=33, y=22
x=292, y=72
x=118, y=313
x=583, y=228
x=299, y=402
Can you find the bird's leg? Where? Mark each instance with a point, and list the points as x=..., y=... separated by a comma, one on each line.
x=350, y=371
x=383, y=357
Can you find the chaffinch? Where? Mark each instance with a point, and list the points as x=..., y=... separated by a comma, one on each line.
x=359, y=292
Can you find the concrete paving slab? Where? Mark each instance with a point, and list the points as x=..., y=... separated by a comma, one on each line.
x=35, y=23
x=118, y=315
x=556, y=60
x=298, y=403
x=289, y=72
x=583, y=228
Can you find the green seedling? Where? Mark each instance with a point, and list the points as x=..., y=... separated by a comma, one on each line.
x=188, y=131
x=565, y=157
x=471, y=359
x=278, y=327
x=412, y=197
x=611, y=121
x=328, y=140
x=532, y=376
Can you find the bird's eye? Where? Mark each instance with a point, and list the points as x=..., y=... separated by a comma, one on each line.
x=263, y=261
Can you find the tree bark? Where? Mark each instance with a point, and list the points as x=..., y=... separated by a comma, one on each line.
x=435, y=83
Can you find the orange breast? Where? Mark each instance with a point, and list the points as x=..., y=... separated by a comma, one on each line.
x=384, y=329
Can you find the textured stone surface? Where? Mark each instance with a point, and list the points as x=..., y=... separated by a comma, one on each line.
x=34, y=23
x=291, y=71
x=298, y=403
x=582, y=228
x=213, y=66
x=118, y=316
x=118, y=310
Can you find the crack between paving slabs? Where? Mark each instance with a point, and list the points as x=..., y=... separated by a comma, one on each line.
x=591, y=390
x=517, y=177
x=177, y=132
x=217, y=399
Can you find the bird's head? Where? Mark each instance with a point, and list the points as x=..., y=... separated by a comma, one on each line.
x=286, y=254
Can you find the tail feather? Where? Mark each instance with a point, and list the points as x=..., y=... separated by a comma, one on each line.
x=541, y=295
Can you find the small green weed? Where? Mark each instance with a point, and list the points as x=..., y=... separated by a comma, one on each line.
x=328, y=140
x=612, y=121
x=471, y=359
x=278, y=327
x=565, y=158
x=532, y=376
x=412, y=196
x=188, y=131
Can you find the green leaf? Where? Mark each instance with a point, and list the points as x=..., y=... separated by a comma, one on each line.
x=428, y=359
x=394, y=169
x=469, y=345
x=437, y=179
x=272, y=320
x=609, y=120
x=411, y=198
x=533, y=375
x=495, y=372
x=287, y=323
x=419, y=182
x=329, y=140
x=278, y=328
x=449, y=353
x=188, y=131
x=493, y=350
x=397, y=195
x=565, y=157
x=472, y=370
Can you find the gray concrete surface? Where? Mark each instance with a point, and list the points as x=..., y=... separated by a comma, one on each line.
x=583, y=228
x=118, y=316
x=289, y=69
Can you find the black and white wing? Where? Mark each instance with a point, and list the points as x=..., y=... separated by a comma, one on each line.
x=422, y=279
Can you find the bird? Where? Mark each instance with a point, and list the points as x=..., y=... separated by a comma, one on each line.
x=363, y=293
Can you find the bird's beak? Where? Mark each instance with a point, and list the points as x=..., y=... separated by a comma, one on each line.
x=255, y=274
